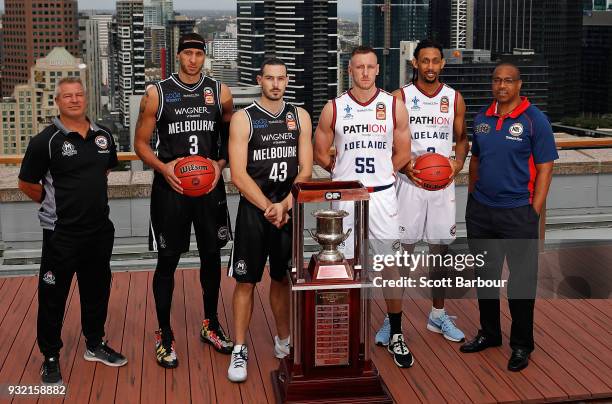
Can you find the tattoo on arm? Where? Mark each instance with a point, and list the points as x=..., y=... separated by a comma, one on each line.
x=143, y=107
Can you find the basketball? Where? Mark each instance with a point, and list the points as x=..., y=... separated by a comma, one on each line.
x=196, y=174
x=434, y=171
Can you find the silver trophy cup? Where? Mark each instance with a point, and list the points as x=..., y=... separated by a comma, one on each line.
x=329, y=233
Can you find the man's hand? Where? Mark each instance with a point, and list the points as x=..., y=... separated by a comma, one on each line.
x=457, y=166
x=168, y=173
x=217, y=173
x=277, y=214
x=411, y=172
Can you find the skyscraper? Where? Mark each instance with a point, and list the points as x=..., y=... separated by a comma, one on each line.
x=596, y=74
x=128, y=64
x=451, y=22
x=104, y=23
x=31, y=30
x=302, y=33
x=88, y=34
x=384, y=24
x=552, y=28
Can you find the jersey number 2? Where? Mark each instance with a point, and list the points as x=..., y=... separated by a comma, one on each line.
x=279, y=172
x=193, y=144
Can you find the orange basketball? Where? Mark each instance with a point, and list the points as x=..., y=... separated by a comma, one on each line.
x=435, y=170
x=196, y=174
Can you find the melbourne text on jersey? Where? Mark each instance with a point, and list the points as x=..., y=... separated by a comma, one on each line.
x=190, y=126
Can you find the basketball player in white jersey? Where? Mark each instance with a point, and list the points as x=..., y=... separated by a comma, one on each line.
x=369, y=128
x=436, y=115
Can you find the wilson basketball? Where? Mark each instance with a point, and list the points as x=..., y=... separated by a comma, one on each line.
x=196, y=174
x=434, y=171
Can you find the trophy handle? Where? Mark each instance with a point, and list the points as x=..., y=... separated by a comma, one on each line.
x=313, y=235
x=347, y=234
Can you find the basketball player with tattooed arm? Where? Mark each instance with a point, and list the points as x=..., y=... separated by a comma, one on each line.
x=436, y=116
x=369, y=128
x=191, y=113
x=270, y=148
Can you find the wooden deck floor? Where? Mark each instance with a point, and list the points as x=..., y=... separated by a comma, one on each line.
x=572, y=360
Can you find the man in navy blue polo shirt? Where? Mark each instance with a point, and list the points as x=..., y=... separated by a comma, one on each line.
x=65, y=169
x=513, y=149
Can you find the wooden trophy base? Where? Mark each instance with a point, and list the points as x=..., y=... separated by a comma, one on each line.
x=365, y=388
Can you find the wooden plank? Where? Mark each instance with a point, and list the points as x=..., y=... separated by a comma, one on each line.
x=11, y=323
x=545, y=382
x=565, y=356
x=416, y=376
x=202, y=385
x=603, y=306
x=153, y=388
x=252, y=389
x=104, y=384
x=129, y=379
x=8, y=292
x=177, y=380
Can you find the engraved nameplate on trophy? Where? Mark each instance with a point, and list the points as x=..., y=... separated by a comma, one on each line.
x=332, y=328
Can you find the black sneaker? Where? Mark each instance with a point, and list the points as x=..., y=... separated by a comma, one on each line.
x=50, y=371
x=401, y=354
x=215, y=336
x=164, y=350
x=105, y=354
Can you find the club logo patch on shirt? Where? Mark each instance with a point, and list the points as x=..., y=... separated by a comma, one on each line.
x=444, y=104
x=291, y=123
x=240, y=267
x=415, y=104
x=347, y=111
x=68, y=149
x=516, y=129
x=49, y=278
x=381, y=111
x=101, y=142
x=482, y=129
x=209, y=96
x=222, y=233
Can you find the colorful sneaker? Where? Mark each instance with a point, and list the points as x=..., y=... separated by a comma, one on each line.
x=446, y=326
x=384, y=334
x=50, y=371
x=401, y=354
x=164, y=351
x=105, y=354
x=237, y=371
x=281, y=350
x=216, y=337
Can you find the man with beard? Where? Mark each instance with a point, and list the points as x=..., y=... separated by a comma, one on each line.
x=191, y=113
x=369, y=128
x=437, y=115
x=270, y=148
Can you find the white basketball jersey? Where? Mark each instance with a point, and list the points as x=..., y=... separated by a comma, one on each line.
x=431, y=119
x=363, y=136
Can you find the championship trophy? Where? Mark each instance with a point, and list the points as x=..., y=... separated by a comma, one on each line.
x=330, y=306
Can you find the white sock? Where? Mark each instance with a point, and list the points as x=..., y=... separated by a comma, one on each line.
x=284, y=341
x=237, y=348
x=436, y=313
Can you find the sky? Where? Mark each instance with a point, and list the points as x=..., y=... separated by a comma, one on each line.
x=343, y=5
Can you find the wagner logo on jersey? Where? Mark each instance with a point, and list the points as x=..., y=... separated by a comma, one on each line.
x=273, y=149
x=431, y=124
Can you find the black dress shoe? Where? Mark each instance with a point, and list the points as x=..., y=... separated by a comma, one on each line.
x=479, y=343
x=519, y=360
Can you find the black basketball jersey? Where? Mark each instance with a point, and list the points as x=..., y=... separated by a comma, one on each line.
x=188, y=118
x=273, y=147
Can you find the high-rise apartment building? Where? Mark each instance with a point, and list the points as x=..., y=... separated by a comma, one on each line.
x=31, y=29
x=104, y=22
x=88, y=34
x=250, y=17
x=596, y=73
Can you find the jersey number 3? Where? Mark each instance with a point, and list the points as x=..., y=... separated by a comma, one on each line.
x=193, y=144
x=279, y=172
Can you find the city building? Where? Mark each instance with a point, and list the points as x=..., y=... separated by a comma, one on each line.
x=596, y=73
x=469, y=71
x=104, y=23
x=158, y=42
x=88, y=34
x=224, y=46
x=128, y=56
x=251, y=33
x=226, y=71
x=176, y=28
x=232, y=29
x=32, y=105
x=552, y=28
x=152, y=15
x=31, y=29
x=384, y=23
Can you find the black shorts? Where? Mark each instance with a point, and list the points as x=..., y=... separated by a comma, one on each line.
x=255, y=240
x=172, y=215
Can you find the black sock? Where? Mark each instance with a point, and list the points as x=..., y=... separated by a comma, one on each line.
x=163, y=286
x=395, y=320
x=210, y=279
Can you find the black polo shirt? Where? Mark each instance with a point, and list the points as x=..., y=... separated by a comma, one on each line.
x=72, y=170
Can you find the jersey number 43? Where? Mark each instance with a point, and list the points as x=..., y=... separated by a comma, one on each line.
x=279, y=172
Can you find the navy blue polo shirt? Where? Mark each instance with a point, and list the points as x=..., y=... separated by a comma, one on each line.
x=72, y=170
x=508, y=147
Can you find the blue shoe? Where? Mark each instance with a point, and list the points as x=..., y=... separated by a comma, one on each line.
x=446, y=326
x=384, y=334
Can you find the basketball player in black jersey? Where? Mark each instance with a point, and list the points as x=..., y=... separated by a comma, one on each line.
x=191, y=113
x=270, y=148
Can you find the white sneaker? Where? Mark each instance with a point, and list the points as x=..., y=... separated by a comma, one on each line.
x=281, y=350
x=237, y=371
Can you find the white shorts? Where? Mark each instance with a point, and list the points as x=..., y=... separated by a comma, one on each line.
x=382, y=222
x=425, y=215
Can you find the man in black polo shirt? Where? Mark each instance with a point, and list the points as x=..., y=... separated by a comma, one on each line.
x=65, y=169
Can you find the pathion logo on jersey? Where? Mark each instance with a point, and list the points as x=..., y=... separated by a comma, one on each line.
x=68, y=149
